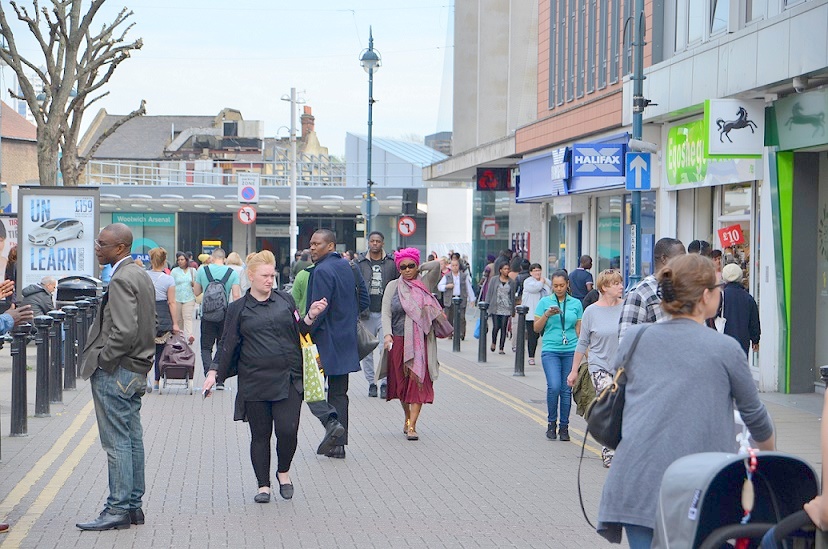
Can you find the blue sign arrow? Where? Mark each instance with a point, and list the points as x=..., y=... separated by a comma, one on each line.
x=638, y=171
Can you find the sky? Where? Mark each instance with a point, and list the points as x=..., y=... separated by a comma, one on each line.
x=202, y=56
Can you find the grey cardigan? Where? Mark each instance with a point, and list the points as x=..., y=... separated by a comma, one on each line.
x=430, y=275
x=682, y=381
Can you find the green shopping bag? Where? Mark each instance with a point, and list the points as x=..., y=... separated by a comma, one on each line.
x=313, y=377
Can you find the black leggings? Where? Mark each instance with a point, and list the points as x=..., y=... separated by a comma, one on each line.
x=499, y=323
x=283, y=417
x=531, y=337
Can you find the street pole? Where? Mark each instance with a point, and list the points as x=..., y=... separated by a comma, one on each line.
x=294, y=228
x=370, y=61
x=637, y=130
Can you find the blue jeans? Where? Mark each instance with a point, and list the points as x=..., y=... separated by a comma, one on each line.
x=639, y=537
x=117, y=398
x=556, y=366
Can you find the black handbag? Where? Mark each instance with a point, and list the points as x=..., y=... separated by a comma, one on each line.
x=604, y=415
x=366, y=343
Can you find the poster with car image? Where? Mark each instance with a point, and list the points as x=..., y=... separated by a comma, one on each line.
x=58, y=227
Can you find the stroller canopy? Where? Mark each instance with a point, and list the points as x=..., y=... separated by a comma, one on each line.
x=702, y=492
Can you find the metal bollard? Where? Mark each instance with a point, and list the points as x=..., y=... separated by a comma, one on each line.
x=69, y=347
x=520, y=343
x=92, y=312
x=484, y=328
x=42, y=323
x=19, y=427
x=455, y=343
x=83, y=329
x=56, y=367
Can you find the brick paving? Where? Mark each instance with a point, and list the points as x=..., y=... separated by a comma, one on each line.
x=481, y=475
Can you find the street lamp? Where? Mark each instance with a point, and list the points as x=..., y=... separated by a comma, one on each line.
x=294, y=226
x=371, y=61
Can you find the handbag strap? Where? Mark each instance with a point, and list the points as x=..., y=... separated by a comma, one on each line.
x=617, y=379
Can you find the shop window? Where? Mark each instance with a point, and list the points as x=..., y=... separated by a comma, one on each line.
x=556, y=257
x=608, y=253
x=736, y=207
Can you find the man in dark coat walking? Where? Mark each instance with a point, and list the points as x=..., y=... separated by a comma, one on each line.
x=335, y=331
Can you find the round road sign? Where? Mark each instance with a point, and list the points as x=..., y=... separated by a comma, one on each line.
x=407, y=226
x=248, y=193
x=247, y=214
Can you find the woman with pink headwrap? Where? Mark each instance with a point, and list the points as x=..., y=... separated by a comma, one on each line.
x=409, y=357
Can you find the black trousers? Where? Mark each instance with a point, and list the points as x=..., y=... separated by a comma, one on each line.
x=499, y=323
x=336, y=407
x=282, y=417
x=531, y=337
x=210, y=335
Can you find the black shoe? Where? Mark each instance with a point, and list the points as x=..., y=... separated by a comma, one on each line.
x=333, y=430
x=383, y=391
x=337, y=452
x=219, y=386
x=564, y=433
x=372, y=390
x=286, y=490
x=551, y=431
x=136, y=516
x=106, y=521
x=262, y=497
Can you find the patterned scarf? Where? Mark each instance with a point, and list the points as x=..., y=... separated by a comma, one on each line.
x=420, y=311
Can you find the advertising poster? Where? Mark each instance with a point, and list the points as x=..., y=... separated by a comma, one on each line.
x=59, y=226
x=8, y=241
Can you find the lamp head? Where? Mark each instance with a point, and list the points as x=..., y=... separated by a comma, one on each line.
x=370, y=60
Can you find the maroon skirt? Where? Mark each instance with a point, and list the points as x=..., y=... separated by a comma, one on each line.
x=402, y=384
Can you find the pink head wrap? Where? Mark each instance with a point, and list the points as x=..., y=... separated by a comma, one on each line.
x=406, y=253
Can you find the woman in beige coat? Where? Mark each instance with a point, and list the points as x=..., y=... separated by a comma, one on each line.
x=409, y=357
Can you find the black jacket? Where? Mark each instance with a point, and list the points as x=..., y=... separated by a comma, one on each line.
x=388, y=269
x=40, y=300
x=742, y=315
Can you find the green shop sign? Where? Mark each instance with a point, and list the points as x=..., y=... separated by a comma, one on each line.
x=800, y=120
x=686, y=162
x=145, y=219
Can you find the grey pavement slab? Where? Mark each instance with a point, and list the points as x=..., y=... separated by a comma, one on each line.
x=482, y=474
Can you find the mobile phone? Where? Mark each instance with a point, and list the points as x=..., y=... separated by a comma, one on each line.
x=205, y=393
x=554, y=310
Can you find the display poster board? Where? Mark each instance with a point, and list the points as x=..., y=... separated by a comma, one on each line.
x=59, y=226
x=8, y=241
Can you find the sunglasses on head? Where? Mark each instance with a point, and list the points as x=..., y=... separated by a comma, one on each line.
x=406, y=266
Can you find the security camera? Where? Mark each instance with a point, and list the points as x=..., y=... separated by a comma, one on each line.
x=800, y=83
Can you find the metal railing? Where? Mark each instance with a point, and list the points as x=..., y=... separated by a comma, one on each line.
x=316, y=173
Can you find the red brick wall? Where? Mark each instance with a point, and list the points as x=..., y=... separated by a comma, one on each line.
x=594, y=112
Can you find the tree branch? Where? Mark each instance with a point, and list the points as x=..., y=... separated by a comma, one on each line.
x=140, y=111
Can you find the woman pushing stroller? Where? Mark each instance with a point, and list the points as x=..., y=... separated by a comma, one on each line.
x=682, y=381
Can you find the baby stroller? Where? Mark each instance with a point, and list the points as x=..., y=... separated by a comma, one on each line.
x=177, y=362
x=700, y=501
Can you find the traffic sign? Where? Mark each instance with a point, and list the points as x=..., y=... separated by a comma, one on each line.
x=247, y=214
x=249, y=188
x=638, y=171
x=407, y=226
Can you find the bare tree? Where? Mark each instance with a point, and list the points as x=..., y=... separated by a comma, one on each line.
x=77, y=62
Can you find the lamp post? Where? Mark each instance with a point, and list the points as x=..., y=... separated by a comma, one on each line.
x=371, y=61
x=294, y=227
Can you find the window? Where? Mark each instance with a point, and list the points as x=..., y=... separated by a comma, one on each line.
x=553, y=33
x=602, y=46
x=561, y=51
x=591, y=46
x=570, y=54
x=615, y=22
x=690, y=17
x=755, y=10
x=721, y=16
x=629, y=37
x=579, y=91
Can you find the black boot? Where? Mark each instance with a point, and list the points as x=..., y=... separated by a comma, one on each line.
x=551, y=431
x=107, y=521
x=564, y=433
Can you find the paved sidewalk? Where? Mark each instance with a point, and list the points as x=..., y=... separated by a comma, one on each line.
x=482, y=475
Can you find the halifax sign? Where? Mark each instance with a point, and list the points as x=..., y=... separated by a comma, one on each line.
x=598, y=159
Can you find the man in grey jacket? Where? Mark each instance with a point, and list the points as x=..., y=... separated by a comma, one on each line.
x=117, y=356
x=39, y=296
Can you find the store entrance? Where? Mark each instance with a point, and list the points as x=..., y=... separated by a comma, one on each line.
x=280, y=246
